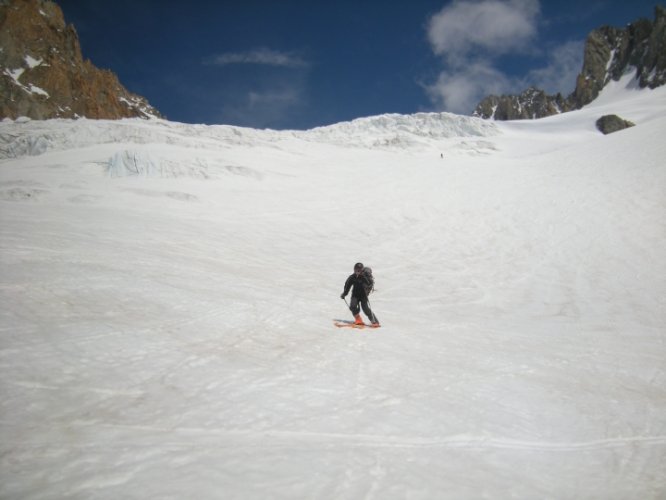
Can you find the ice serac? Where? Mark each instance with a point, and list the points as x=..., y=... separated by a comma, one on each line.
x=609, y=54
x=395, y=131
x=391, y=132
x=43, y=73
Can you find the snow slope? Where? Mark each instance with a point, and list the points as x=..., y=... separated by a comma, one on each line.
x=168, y=292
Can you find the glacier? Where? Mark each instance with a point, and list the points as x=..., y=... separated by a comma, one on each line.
x=168, y=292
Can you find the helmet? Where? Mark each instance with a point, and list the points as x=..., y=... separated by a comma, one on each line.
x=358, y=267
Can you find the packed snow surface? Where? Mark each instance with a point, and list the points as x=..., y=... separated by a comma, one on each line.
x=168, y=292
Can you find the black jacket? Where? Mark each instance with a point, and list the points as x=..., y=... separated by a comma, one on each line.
x=359, y=284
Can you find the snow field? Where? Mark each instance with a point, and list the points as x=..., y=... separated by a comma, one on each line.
x=167, y=306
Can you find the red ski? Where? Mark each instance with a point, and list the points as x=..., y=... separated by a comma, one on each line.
x=340, y=323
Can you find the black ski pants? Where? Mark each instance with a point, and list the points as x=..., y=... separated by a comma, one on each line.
x=355, y=307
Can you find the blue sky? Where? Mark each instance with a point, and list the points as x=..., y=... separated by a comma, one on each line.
x=293, y=64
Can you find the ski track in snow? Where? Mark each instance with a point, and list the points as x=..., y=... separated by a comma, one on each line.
x=216, y=438
x=168, y=292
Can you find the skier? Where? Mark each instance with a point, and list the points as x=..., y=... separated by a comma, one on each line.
x=362, y=283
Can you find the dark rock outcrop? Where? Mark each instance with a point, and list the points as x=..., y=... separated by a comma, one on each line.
x=609, y=54
x=532, y=103
x=43, y=73
x=612, y=123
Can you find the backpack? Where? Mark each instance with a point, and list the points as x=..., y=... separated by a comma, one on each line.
x=369, y=284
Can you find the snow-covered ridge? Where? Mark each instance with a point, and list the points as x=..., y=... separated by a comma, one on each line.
x=29, y=138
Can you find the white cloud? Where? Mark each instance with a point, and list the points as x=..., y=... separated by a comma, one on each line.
x=469, y=35
x=262, y=56
x=491, y=26
x=265, y=105
x=275, y=98
x=472, y=35
x=565, y=62
x=461, y=89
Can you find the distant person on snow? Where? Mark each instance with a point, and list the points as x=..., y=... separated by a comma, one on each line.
x=361, y=284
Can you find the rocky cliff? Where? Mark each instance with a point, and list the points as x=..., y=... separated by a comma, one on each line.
x=609, y=54
x=43, y=73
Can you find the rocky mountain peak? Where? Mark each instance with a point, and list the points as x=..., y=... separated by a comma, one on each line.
x=609, y=54
x=43, y=73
